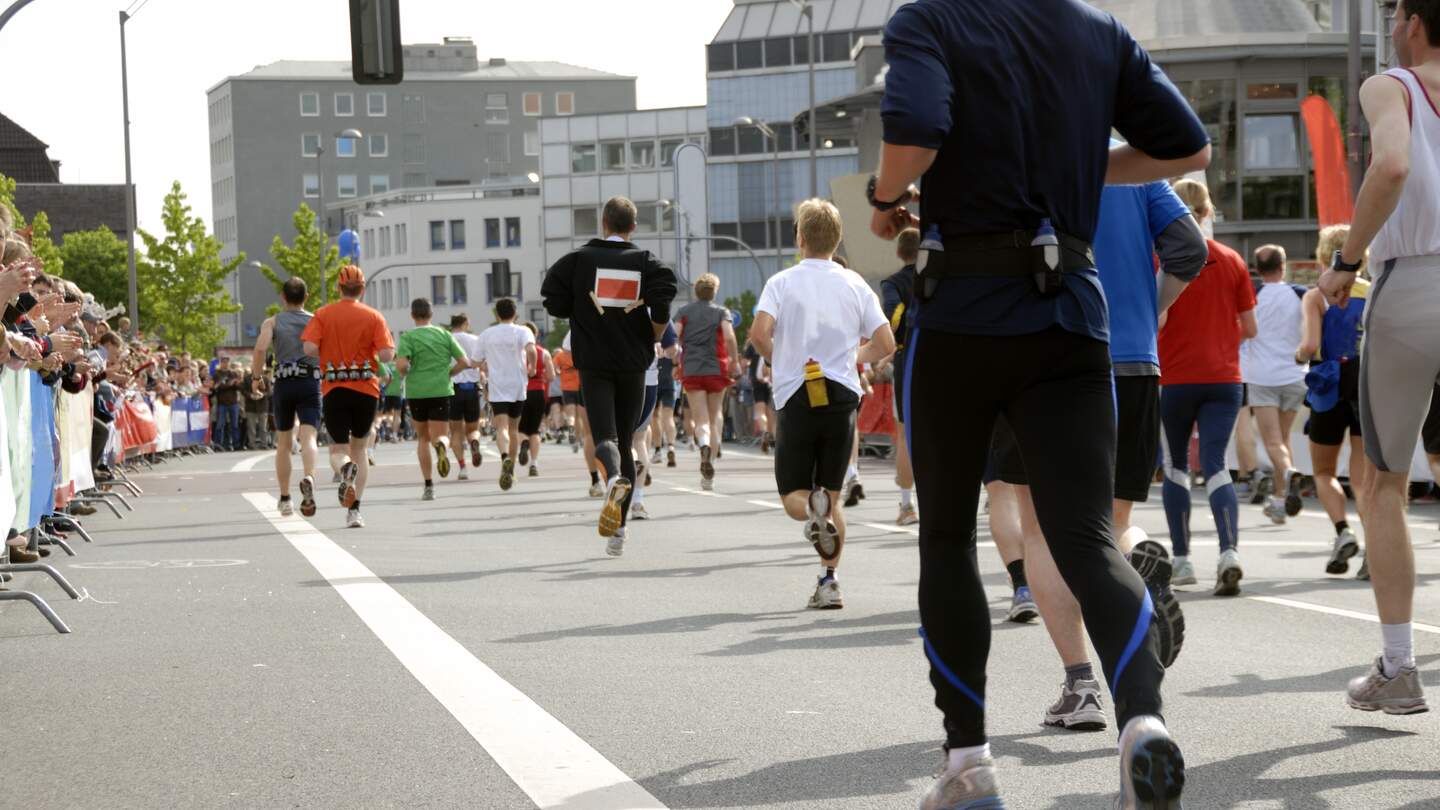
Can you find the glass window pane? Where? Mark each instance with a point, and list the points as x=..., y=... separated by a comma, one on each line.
x=787, y=233
x=312, y=185
x=379, y=144
x=496, y=101
x=613, y=156
x=492, y=233
x=375, y=104
x=667, y=151
x=749, y=54
x=646, y=219
x=457, y=234
x=777, y=52
x=752, y=141
x=309, y=104
x=379, y=184
x=532, y=103
x=835, y=47
x=437, y=289
x=1274, y=197
x=582, y=158
x=730, y=229
x=1272, y=90
x=512, y=232
x=564, y=103
x=587, y=222
x=345, y=184
x=786, y=134
x=310, y=144
x=642, y=154
x=345, y=147
x=437, y=235
x=753, y=234
x=722, y=141
x=1214, y=103
x=1272, y=142
x=344, y=104
x=459, y=293
x=801, y=49
x=721, y=56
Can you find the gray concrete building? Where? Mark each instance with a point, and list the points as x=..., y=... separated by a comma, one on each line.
x=456, y=120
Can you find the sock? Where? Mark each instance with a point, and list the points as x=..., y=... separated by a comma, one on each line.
x=1341, y=527
x=355, y=505
x=907, y=498
x=284, y=498
x=1017, y=574
x=852, y=471
x=826, y=572
x=1277, y=501
x=429, y=482
x=504, y=456
x=594, y=477
x=637, y=496
x=960, y=757
x=1079, y=672
x=1399, y=648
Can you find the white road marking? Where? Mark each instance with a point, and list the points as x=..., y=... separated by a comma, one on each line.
x=1334, y=611
x=767, y=504
x=248, y=464
x=689, y=491
x=1317, y=515
x=552, y=765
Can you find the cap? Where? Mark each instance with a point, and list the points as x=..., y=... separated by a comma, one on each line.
x=351, y=274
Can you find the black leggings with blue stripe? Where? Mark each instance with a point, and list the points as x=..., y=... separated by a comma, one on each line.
x=1055, y=389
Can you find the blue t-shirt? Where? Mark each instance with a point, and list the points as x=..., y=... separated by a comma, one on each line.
x=1022, y=118
x=1131, y=218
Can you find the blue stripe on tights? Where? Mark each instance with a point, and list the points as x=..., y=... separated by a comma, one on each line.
x=1137, y=637
x=950, y=676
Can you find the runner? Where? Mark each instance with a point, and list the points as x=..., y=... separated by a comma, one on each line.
x=297, y=393
x=392, y=403
x=1201, y=385
x=575, y=414
x=532, y=414
x=1008, y=283
x=465, y=405
x=809, y=325
x=667, y=342
x=896, y=294
x=708, y=339
x=617, y=298
x=1275, y=376
x=509, y=361
x=665, y=405
x=763, y=421
x=428, y=356
x=1334, y=399
x=348, y=338
x=1396, y=218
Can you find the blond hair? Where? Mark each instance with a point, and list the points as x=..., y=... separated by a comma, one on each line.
x=818, y=224
x=1196, y=196
x=15, y=250
x=707, y=287
x=1333, y=239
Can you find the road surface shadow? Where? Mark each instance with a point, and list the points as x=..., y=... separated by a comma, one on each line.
x=1251, y=685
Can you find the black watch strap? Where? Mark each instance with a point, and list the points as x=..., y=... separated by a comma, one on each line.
x=1338, y=263
x=880, y=205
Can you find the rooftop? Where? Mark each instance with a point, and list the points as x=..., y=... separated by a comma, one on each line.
x=494, y=70
x=23, y=156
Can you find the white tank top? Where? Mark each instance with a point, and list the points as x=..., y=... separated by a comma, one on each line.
x=1269, y=358
x=1414, y=228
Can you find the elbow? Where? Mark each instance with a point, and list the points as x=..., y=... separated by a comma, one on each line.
x=385, y=355
x=1393, y=171
x=1197, y=162
x=1250, y=330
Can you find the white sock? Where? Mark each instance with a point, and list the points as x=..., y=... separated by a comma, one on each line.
x=1277, y=501
x=907, y=498
x=637, y=496
x=824, y=570
x=1399, y=647
x=852, y=472
x=1181, y=560
x=960, y=757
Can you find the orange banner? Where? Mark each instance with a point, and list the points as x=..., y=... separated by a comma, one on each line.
x=1327, y=152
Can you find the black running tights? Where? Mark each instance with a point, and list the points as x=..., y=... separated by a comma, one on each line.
x=1055, y=389
x=613, y=403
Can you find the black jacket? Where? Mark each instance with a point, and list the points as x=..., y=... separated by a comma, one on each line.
x=616, y=340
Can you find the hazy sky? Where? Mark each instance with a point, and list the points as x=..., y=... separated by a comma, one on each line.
x=64, y=57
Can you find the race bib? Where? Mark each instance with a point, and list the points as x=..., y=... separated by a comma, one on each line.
x=617, y=288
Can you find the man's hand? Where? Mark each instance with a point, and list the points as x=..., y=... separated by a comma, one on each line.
x=52, y=362
x=23, y=347
x=62, y=342
x=16, y=278
x=1335, y=285
x=888, y=224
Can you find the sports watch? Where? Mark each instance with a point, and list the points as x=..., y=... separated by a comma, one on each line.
x=1339, y=265
x=880, y=205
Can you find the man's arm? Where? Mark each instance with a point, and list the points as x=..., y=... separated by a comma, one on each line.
x=880, y=346
x=762, y=334
x=312, y=349
x=1312, y=312
x=731, y=345
x=1249, y=327
x=531, y=357
x=262, y=344
x=402, y=366
x=1129, y=166
x=1183, y=253
x=915, y=113
x=556, y=291
x=658, y=289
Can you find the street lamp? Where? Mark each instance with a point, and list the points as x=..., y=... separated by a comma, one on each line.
x=348, y=134
x=767, y=131
x=808, y=10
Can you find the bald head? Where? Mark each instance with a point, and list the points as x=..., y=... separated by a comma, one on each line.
x=1270, y=261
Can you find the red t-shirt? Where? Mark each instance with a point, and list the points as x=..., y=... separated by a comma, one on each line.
x=537, y=380
x=1201, y=339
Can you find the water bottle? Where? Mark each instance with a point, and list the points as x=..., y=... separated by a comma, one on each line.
x=1047, y=259
x=931, y=247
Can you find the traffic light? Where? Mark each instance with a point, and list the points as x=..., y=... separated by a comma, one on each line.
x=500, y=280
x=376, y=56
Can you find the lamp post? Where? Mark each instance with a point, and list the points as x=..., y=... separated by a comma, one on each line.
x=807, y=9
x=348, y=134
x=131, y=280
x=767, y=131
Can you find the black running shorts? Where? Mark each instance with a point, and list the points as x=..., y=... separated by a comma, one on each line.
x=762, y=393
x=430, y=409
x=1430, y=432
x=813, y=445
x=508, y=409
x=296, y=397
x=1328, y=429
x=392, y=404
x=532, y=413
x=1137, y=440
x=465, y=405
x=665, y=398
x=1005, y=464
x=573, y=398
x=349, y=414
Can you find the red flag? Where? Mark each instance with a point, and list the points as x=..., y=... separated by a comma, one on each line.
x=1332, y=173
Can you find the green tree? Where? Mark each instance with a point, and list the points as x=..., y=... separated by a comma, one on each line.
x=557, y=334
x=303, y=258
x=97, y=261
x=40, y=243
x=745, y=305
x=182, y=279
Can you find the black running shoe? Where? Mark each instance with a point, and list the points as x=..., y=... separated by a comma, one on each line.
x=1293, y=503
x=347, y=484
x=1263, y=488
x=307, y=496
x=524, y=451
x=475, y=456
x=1152, y=561
x=670, y=457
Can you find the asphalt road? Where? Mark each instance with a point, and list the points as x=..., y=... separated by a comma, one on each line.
x=481, y=649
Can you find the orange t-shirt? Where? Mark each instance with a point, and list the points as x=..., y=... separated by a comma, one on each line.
x=349, y=332
x=569, y=375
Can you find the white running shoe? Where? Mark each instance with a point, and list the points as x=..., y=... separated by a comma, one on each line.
x=826, y=596
x=462, y=475
x=638, y=512
x=908, y=516
x=972, y=784
x=1228, y=574
x=286, y=508
x=819, y=529
x=1078, y=709
x=1152, y=771
x=615, y=546
x=1346, y=546
x=353, y=519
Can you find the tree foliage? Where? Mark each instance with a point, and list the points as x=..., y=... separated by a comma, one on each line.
x=182, y=279
x=745, y=305
x=303, y=257
x=40, y=242
x=97, y=261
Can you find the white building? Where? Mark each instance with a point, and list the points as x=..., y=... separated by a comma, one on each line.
x=461, y=247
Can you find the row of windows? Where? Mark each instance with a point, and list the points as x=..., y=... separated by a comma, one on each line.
x=618, y=156
x=222, y=191
x=446, y=290
x=497, y=106
x=377, y=143
x=225, y=229
x=385, y=241
x=758, y=234
x=220, y=111
x=650, y=218
x=222, y=151
x=344, y=104
x=347, y=185
x=751, y=54
x=388, y=293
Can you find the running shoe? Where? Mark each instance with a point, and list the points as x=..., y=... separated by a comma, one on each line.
x=442, y=458
x=1364, y=573
x=1373, y=692
x=476, y=458
x=847, y=492
x=1276, y=513
x=610, y=513
x=707, y=469
x=524, y=451
x=819, y=529
x=765, y=442
x=574, y=445
x=462, y=475
x=534, y=471
x=1263, y=488
x=1152, y=561
x=307, y=496
x=1022, y=607
x=1228, y=573
x=908, y=516
x=719, y=451
x=971, y=785
x=596, y=490
x=353, y=520
x=638, y=512
x=507, y=474
x=641, y=472
x=1184, y=573
x=370, y=457
x=348, y=495
x=655, y=457
x=1293, y=502
x=428, y=494
x=1346, y=546
x=1244, y=488
x=670, y=457
x=1152, y=770
x=286, y=508
x=826, y=595
x=615, y=546
x=1078, y=709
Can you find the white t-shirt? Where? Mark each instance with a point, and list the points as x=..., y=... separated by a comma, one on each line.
x=1268, y=359
x=502, y=346
x=471, y=346
x=821, y=312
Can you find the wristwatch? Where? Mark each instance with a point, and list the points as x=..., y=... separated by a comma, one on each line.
x=1339, y=265
x=880, y=205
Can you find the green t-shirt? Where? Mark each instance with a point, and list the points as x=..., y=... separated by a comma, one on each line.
x=396, y=388
x=430, y=350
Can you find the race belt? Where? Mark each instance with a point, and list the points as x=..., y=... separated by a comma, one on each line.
x=295, y=371
x=355, y=372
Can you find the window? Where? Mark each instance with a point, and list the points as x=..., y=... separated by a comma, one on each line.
x=587, y=223
x=642, y=154
x=512, y=232
x=667, y=151
x=492, y=233
x=458, y=292
x=564, y=103
x=646, y=220
x=344, y=104
x=1274, y=197
x=385, y=241
x=785, y=133
x=777, y=52
x=730, y=229
x=437, y=235
x=310, y=105
x=402, y=239
x=753, y=233
x=457, y=234
x=345, y=147
x=1282, y=91
x=414, y=146
x=834, y=47
x=582, y=158
x=412, y=109
x=497, y=108
x=1214, y=103
x=385, y=294
x=367, y=242
x=722, y=141
x=312, y=185
x=612, y=156
x=531, y=103
x=721, y=56
x=437, y=289
x=379, y=144
x=749, y=54
x=497, y=152
x=345, y=184
x=1272, y=142
x=403, y=286
x=752, y=141
x=801, y=47
x=309, y=144
x=375, y=104
x=379, y=183
x=532, y=144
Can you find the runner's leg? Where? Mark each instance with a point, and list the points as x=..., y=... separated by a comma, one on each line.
x=283, y=465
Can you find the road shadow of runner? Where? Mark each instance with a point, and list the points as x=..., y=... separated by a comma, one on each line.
x=1251, y=685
